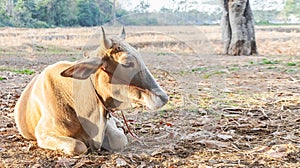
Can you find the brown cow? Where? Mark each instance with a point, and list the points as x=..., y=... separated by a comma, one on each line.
x=66, y=107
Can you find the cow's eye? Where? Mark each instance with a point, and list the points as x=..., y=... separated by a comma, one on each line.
x=128, y=65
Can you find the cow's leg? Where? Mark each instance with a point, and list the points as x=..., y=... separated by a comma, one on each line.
x=48, y=137
x=115, y=139
x=94, y=125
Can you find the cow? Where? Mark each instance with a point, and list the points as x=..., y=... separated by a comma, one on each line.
x=68, y=105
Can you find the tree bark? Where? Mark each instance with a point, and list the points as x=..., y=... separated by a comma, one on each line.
x=238, y=31
x=114, y=12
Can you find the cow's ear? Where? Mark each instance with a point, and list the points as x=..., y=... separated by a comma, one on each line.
x=82, y=69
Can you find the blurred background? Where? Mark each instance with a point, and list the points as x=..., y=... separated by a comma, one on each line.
x=86, y=13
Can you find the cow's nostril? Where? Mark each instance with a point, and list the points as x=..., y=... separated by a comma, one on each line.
x=164, y=98
x=161, y=95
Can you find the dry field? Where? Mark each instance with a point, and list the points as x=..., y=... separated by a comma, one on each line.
x=223, y=111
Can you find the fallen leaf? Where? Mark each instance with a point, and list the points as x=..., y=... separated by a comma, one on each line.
x=37, y=165
x=82, y=162
x=262, y=149
x=169, y=124
x=120, y=162
x=2, y=165
x=224, y=136
x=276, y=151
x=142, y=165
x=198, y=135
x=212, y=144
x=31, y=147
x=65, y=162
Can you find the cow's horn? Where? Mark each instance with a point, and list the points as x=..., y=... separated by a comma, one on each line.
x=106, y=43
x=123, y=34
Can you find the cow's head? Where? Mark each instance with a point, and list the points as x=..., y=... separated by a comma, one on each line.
x=119, y=74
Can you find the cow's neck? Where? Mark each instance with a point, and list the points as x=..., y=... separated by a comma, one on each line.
x=101, y=83
x=102, y=93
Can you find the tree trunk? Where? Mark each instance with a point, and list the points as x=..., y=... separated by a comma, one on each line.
x=114, y=12
x=238, y=28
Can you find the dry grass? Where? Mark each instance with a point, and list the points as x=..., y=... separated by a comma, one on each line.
x=272, y=41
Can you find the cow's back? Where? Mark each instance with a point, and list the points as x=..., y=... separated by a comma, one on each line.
x=25, y=116
x=33, y=98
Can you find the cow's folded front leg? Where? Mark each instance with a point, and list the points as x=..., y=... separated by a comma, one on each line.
x=115, y=139
x=67, y=144
x=54, y=140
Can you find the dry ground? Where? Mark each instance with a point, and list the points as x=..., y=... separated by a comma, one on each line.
x=223, y=111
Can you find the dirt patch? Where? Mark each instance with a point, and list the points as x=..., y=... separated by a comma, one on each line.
x=223, y=111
